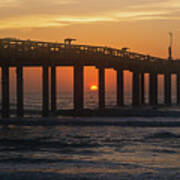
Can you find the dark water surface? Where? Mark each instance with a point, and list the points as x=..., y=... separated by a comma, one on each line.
x=103, y=152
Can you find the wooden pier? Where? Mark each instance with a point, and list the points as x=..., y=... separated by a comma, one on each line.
x=20, y=53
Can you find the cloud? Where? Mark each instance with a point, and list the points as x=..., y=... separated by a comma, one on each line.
x=81, y=20
x=29, y=22
x=45, y=13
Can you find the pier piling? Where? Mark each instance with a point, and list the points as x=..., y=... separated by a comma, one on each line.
x=142, y=89
x=45, y=111
x=78, y=87
x=136, y=89
x=5, y=91
x=20, y=94
x=120, y=88
x=53, y=89
x=101, y=88
x=178, y=87
x=167, y=86
x=153, y=89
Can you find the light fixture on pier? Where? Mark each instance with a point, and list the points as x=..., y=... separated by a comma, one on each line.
x=170, y=45
x=125, y=49
x=68, y=41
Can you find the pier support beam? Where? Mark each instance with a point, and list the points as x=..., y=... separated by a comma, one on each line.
x=78, y=87
x=178, y=88
x=101, y=88
x=153, y=89
x=120, y=88
x=167, y=86
x=53, y=89
x=142, y=89
x=45, y=76
x=20, y=94
x=5, y=91
x=136, y=89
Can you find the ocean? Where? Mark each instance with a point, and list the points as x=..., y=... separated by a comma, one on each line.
x=88, y=152
x=33, y=100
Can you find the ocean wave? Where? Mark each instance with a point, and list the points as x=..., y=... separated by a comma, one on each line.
x=35, y=144
x=162, y=135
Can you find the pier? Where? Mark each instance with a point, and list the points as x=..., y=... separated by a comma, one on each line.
x=48, y=56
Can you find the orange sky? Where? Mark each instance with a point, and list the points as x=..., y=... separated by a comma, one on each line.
x=141, y=25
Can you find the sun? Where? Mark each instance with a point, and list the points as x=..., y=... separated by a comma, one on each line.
x=93, y=88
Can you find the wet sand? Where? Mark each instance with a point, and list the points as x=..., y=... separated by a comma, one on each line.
x=88, y=176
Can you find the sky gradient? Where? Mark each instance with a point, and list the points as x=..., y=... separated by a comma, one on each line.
x=141, y=25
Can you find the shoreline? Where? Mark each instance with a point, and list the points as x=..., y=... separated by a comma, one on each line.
x=128, y=111
x=147, y=112
x=126, y=117
x=85, y=122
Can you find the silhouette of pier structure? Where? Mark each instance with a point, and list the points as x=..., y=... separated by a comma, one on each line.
x=20, y=53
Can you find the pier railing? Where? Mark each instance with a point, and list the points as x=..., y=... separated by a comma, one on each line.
x=15, y=47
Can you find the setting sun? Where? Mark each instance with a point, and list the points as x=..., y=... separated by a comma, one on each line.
x=93, y=88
